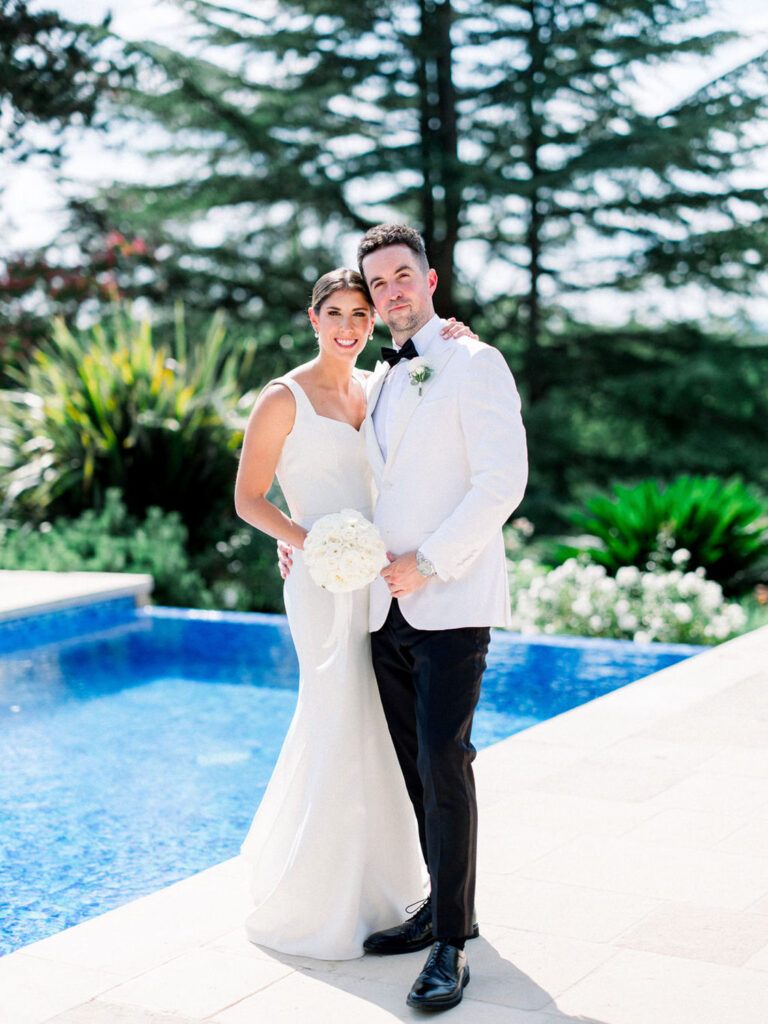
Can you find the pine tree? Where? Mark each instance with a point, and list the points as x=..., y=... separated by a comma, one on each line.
x=516, y=126
x=51, y=74
x=589, y=190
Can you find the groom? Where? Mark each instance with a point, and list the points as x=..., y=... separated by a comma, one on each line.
x=447, y=447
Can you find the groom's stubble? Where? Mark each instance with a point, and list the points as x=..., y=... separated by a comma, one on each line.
x=405, y=323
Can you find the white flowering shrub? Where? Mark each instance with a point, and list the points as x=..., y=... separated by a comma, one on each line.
x=583, y=600
x=517, y=537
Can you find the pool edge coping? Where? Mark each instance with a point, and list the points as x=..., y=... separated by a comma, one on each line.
x=69, y=589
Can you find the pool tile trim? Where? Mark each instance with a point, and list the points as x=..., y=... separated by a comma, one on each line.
x=73, y=621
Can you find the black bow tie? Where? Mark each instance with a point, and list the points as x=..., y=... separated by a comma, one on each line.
x=394, y=355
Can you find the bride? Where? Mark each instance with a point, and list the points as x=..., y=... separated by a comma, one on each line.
x=333, y=851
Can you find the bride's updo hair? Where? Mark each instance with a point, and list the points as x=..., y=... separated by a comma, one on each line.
x=341, y=279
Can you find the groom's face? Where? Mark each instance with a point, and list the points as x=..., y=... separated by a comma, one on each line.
x=401, y=289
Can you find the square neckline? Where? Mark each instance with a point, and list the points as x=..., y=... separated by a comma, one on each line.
x=320, y=416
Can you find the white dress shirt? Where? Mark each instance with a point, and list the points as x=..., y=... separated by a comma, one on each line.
x=397, y=379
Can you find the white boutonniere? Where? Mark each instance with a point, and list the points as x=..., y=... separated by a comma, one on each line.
x=419, y=371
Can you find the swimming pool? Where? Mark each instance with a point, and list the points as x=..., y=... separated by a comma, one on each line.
x=135, y=744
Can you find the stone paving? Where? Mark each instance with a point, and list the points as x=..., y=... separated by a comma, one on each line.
x=29, y=593
x=623, y=879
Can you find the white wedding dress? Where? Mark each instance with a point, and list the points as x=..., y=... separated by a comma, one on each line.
x=333, y=851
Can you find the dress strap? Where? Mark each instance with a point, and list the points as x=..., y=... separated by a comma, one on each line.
x=296, y=390
x=361, y=377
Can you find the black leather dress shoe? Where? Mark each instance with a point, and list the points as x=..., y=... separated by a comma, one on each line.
x=441, y=984
x=409, y=937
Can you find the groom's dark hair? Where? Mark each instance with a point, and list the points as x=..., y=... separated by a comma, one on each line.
x=382, y=235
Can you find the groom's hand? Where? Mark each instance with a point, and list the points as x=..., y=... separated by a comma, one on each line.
x=401, y=575
x=284, y=559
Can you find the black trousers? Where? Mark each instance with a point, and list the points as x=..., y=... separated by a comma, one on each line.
x=429, y=681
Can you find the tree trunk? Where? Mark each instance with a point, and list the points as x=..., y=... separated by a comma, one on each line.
x=441, y=189
x=533, y=356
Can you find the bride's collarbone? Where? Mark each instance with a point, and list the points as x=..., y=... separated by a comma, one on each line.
x=331, y=406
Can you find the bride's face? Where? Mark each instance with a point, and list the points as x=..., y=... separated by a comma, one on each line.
x=343, y=324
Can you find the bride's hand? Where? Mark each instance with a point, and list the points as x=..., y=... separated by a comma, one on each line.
x=456, y=329
x=284, y=560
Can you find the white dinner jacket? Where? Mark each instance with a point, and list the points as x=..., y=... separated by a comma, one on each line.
x=456, y=470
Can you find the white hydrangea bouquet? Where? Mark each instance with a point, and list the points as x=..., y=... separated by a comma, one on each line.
x=343, y=551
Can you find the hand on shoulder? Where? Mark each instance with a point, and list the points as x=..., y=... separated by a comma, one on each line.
x=454, y=328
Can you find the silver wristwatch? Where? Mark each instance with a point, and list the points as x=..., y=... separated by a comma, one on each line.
x=424, y=567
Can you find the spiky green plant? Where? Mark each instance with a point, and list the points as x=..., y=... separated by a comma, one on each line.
x=113, y=407
x=695, y=521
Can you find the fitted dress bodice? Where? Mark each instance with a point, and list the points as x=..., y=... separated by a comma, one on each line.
x=323, y=466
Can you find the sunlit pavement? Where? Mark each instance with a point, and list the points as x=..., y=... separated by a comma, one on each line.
x=623, y=879
x=24, y=593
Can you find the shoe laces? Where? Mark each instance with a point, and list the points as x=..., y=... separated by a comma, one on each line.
x=414, y=909
x=440, y=951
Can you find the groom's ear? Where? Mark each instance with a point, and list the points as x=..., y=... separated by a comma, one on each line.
x=432, y=280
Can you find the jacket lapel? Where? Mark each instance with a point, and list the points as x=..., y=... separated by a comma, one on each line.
x=373, y=388
x=411, y=398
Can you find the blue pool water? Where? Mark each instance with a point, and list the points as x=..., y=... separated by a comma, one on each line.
x=135, y=745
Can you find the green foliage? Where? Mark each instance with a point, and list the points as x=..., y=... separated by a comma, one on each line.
x=514, y=125
x=511, y=127
x=37, y=286
x=755, y=608
x=634, y=402
x=112, y=408
x=239, y=565
x=238, y=571
x=111, y=540
x=704, y=522
x=52, y=72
